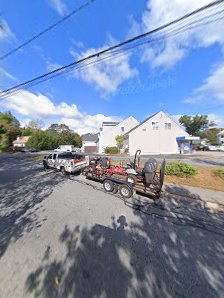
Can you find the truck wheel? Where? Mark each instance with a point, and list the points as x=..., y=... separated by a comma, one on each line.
x=125, y=191
x=63, y=171
x=108, y=185
x=132, y=179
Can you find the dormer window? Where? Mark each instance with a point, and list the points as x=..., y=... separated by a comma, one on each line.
x=155, y=125
x=168, y=125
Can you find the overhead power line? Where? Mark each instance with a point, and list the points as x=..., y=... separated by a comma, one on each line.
x=113, y=49
x=52, y=26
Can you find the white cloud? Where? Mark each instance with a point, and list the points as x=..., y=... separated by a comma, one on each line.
x=27, y=103
x=40, y=106
x=107, y=75
x=59, y=6
x=212, y=89
x=218, y=119
x=7, y=75
x=88, y=123
x=5, y=31
x=170, y=50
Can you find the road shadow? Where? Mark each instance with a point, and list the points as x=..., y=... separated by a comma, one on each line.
x=23, y=186
x=209, y=162
x=167, y=250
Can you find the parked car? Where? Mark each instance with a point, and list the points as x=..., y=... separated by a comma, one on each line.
x=24, y=150
x=66, y=162
x=34, y=150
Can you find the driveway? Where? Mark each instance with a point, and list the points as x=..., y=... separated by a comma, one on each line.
x=64, y=237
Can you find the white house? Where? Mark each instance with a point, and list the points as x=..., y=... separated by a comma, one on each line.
x=159, y=133
x=110, y=130
x=89, y=143
x=20, y=141
x=220, y=137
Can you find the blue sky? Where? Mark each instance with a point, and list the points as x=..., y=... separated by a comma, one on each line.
x=180, y=75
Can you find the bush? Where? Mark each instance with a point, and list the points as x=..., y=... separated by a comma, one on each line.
x=180, y=169
x=220, y=173
x=111, y=150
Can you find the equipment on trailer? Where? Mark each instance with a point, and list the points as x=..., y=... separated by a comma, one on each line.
x=101, y=167
x=147, y=180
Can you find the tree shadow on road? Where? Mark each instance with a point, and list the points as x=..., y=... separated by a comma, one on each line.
x=23, y=186
x=168, y=250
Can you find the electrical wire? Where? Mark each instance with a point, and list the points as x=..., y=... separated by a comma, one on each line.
x=79, y=63
x=52, y=26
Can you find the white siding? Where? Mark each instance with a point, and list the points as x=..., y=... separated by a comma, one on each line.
x=88, y=143
x=159, y=140
x=108, y=134
x=220, y=137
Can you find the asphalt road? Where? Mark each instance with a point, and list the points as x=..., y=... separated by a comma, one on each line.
x=199, y=158
x=63, y=238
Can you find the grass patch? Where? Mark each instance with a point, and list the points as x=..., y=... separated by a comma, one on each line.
x=180, y=169
x=219, y=173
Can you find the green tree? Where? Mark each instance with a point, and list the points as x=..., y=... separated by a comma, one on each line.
x=31, y=127
x=59, y=128
x=211, y=135
x=8, y=119
x=9, y=129
x=120, y=141
x=194, y=125
x=48, y=140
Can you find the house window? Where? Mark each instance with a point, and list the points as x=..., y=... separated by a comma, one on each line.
x=122, y=128
x=168, y=125
x=144, y=129
x=155, y=125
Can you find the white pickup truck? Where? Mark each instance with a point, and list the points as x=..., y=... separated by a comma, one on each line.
x=66, y=162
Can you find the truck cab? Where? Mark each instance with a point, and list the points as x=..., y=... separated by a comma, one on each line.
x=66, y=161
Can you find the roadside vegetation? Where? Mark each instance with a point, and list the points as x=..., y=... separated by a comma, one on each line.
x=51, y=138
x=180, y=169
x=111, y=150
x=55, y=135
x=219, y=173
x=206, y=177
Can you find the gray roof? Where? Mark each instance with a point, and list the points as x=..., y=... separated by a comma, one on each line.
x=110, y=123
x=91, y=137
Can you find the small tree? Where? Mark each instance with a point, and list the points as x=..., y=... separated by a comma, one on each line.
x=120, y=141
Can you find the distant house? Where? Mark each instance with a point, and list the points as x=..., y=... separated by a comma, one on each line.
x=159, y=133
x=89, y=143
x=20, y=141
x=110, y=130
x=220, y=137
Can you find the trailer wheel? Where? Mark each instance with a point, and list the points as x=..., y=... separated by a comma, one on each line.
x=108, y=185
x=125, y=191
x=132, y=179
x=115, y=188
